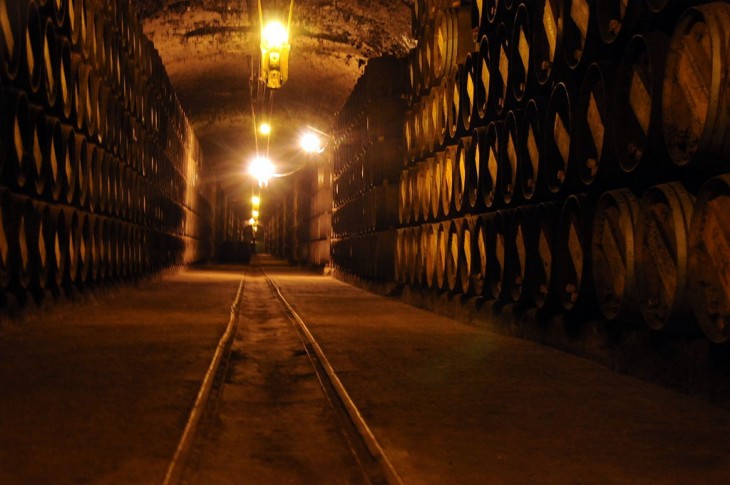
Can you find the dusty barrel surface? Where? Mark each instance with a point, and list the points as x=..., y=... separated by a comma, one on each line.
x=483, y=78
x=557, y=146
x=508, y=162
x=464, y=183
x=662, y=232
x=499, y=70
x=573, y=273
x=696, y=103
x=468, y=91
x=529, y=149
x=613, y=254
x=593, y=125
x=709, y=259
x=487, y=154
x=638, y=139
x=547, y=40
x=454, y=247
x=447, y=181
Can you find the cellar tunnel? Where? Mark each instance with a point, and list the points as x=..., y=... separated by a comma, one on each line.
x=552, y=170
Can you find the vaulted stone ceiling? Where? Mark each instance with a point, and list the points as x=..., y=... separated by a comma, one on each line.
x=208, y=47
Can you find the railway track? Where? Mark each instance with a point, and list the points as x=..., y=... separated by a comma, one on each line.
x=271, y=406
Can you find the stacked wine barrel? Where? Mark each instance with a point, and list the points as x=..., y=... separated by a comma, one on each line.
x=572, y=155
x=99, y=164
x=367, y=158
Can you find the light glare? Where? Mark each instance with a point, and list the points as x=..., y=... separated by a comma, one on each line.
x=255, y=200
x=261, y=169
x=274, y=35
x=265, y=129
x=311, y=143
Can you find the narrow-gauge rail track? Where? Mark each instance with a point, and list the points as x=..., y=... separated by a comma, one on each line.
x=271, y=407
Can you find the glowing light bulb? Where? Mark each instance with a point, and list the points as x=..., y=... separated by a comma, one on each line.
x=261, y=169
x=311, y=143
x=274, y=35
x=265, y=129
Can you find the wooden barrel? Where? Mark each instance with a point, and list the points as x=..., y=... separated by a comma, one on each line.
x=479, y=17
x=487, y=155
x=593, y=126
x=547, y=39
x=11, y=38
x=426, y=58
x=638, y=139
x=479, y=259
x=417, y=269
x=8, y=228
x=415, y=177
x=65, y=79
x=522, y=248
x=436, y=183
x=447, y=181
x=81, y=73
x=483, y=80
x=429, y=237
x=426, y=184
x=468, y=91
x=32, y=69
x=660, y=6
x=499, y=70
x=508, y=160
x=521, y=76
x=81, y=162
x=73, y=247
x=662, y=233
x=414, y=75
x=51, y=66
x=709, y=259
x=19, y=129
x=441, y=114
x=613, y=255
x=468, y=257
x=695, y=102
x=454, y=246
x=541, y=284
x=495, y=233
x=464, y=165
x=573, y=273
x=441, y=231
x=581, y=40
x=557, y=147
x=618, y=20
x=456, y=126
x=529, y=150
x=404, y=210
x=40, y=152
x=26, y=244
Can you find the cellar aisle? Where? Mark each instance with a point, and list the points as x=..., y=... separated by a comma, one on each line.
x=446, y=399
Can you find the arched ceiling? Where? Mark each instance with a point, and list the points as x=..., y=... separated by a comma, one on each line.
x=208, y=47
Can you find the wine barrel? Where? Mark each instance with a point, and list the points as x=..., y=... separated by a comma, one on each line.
x=468, y=91
x=447, y=181
x=8, y=230
x=487, y=155
x=499, y=70
x=12, y=34
x=65, y=79
x=45, y=245
x=467, y=266
x=581, y=41
x=414, y=75
x=695, y=102
x=618, y=20
x=95, y=156
x=672, y=6
x=424, y=193
x=573, y=275
x=455, y=124
x=613, y=255
x=441, y=231
x=459, y=37
x=522, y=78
x=547, y=39
x=557, y=147
x=508, y=157
x=436, y=185
x=77, y=23
x=479, y=18
x=479, y=257
x=413, y=193
x=19, y=129
x=454, y=248
x=662, y=233
x=416, y=267
x=409, y=136
x=593, y=126
x=32, y=70
x=81, y=161
x=74, y=244
x=529, y=150
x=69, y=163
x=464, y=189
x=495, y=233
x=60, y=245
x=521, y=248
x=709, y=259
x=429, y=237
x=547, y=216
x=94, y=250
x=80, y=92
x=40, y=152
x=102, y=243
x=483, y=80
x=426, y=58
x=404, y=210
x=51, y=65
x=56, y=159
x=638, y=139
x=442, y=107
x=26, y=245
